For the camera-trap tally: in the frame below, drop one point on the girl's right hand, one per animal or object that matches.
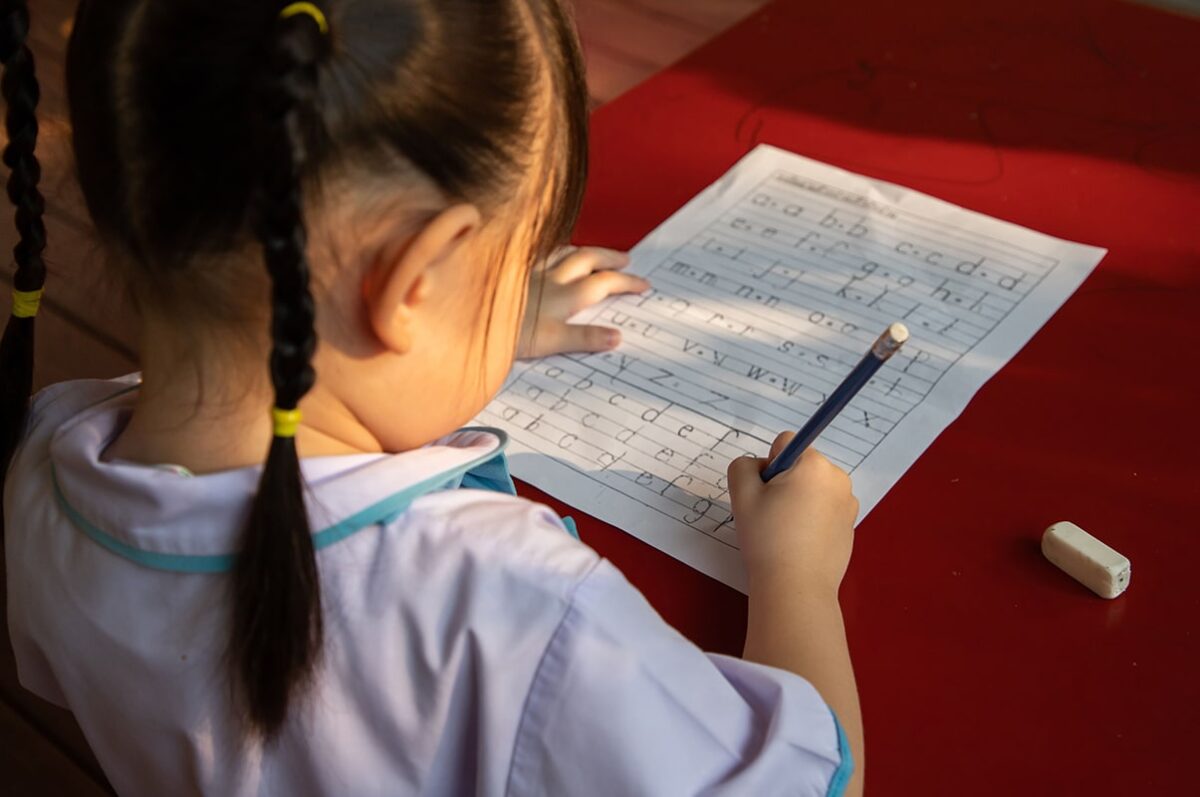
(800, 525)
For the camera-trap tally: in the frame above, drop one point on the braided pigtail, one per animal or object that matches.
(277, 625)
(21, 93)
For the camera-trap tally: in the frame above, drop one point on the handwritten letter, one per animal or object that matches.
(768, 288)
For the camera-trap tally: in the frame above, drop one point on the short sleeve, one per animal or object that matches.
(622, 704)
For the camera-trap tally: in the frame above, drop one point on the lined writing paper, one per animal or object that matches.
(769, 287)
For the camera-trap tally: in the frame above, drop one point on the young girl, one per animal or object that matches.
(371, 611)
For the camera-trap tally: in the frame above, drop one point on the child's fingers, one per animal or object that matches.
(560, 337)
(602, 284)
(745, 473)
(581, 262)
(757, 464)
(745, 478)
(781, 442)
(583, 338)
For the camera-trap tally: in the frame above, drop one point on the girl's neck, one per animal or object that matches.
(209, 415)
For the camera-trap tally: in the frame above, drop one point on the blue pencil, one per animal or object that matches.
(887, 345)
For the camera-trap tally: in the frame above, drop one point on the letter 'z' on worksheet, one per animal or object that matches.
(768, 288)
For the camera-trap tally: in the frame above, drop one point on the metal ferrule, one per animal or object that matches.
(887, 345)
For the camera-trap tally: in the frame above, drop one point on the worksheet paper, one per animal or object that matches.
(769, 287)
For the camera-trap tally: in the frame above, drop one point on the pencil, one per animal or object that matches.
(887, 345)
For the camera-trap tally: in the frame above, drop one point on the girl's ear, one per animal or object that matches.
(405, 272)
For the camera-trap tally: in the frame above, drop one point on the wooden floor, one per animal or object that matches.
(625, 41)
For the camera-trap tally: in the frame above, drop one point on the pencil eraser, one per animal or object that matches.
(1086, 559)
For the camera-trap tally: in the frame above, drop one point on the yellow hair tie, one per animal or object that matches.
(25, 304)
(286, 422)
(308, 9)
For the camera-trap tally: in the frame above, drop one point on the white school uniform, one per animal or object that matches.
(473, 645)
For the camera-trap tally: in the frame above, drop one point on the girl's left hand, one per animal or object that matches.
(573, 279)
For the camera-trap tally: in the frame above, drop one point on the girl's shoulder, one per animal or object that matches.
(451, 515)
(456, 498)
(56, 404)
(59, 405)
(450, 504)
(509, 535)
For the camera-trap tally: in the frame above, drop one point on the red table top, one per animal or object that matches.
(983, 669)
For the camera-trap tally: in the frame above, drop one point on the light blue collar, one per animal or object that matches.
(488, 472)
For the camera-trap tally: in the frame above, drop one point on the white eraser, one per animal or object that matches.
(1086, 559)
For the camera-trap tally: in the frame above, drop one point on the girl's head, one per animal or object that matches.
(432, 151)
(357, 185)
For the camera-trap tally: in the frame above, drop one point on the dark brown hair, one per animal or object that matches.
(21, 94)
(201, 126)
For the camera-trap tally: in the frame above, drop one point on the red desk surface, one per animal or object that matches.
(983, 670)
